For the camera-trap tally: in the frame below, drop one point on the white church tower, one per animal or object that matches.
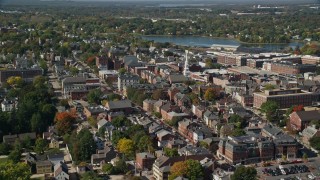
(186, 71)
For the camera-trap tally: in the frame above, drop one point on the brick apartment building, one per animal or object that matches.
(285, 97)
(289, 68)
(256, 148)
(256, 63)
(310, 59)
(245, 149)
(231, 59)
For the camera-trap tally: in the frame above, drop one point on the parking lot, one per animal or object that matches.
(308, 170)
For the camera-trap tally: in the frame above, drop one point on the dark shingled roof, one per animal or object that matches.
(308, 115)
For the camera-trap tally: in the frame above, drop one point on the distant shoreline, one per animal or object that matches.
(223, 38)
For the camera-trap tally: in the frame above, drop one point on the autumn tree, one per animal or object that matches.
(158, 94)
(178, 169)
(210, 94)
(126, 146)
(190, 169)
(15, 81)
(64, 122)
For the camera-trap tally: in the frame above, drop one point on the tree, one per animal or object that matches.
(238, 132)
(64, 122)
(305, 156)
(269, 87)
(15, 81)
(92, 121)
(15, 156)
(204, 144)
(171, 152)
(108, 168)
(315, 142)
(40, 146)
(190, 169)
(194, 169)
(126, 146)
(74, 71)
(194, 98)
(84, 145)
(19, 171)
(158, 94)
(37, 123)
(120, 121)
(210, 94)
(270, 108)
(244, 173)
(90, 175)
(94, 96)
(178, 169)
(122, 71)
(4, 149)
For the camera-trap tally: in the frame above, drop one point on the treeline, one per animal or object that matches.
(35, 110)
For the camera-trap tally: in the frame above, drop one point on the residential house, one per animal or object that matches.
(121, 105)
(102, 156)
(127, 79)
(8, 105)
(198, 110)
(308, 133)
(301, 119)
(189, 150)
(148, 105)
(56, 158)
(61, 171)
(144, 160)
(182, 100)
(43, 167)
(177, 78)
(211, 119)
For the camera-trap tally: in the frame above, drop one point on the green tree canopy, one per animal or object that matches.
(94, 96)
(19, 171)
(244, 173)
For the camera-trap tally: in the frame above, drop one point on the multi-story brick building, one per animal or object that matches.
(245, 149)
(231, 59)
(310, 59)
(289, 68)
(285, 97)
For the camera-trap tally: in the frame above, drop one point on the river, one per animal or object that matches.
(200, 41)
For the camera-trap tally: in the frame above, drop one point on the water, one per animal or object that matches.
(209, 41)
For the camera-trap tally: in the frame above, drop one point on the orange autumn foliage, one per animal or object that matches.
(64, 122)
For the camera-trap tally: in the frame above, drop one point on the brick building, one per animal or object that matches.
(301, 119)
(285, 97)
(245, 149)
(310, 59)
(26, 74)
(289, 68)
(144, 160)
